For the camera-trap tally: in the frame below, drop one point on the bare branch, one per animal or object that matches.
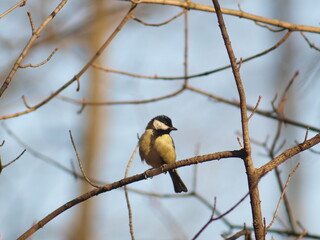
(270, 28)
(80, 163)
(281, 197)
(96, 103)
(312, 45)
(127, 194)
(28, 46)
(245, 232)
(31, 24)
(138, 177)
(76, 77)
(255, 108)
(288, 154)
(282, 40)
(19, 4)
(6, 165)
(195, 6)
(159, 24)
(42, 63)
(268, 114)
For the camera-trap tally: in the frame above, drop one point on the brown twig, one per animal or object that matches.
(26, 49)
(42, 63)
(127, 194)
(220, 216)
(19, 4)
(304, 233)
(288, 154)
(246, 232)
(255, 108)
(268, 114)
(200, 7)
(312, 45)
(250, 169)
(31, 23)
(281, 197)
(156, 171)
(138, 177)
(282, 40)
(76, 77)
(279, 110)
(186, 47)
(159, 24)
(96, 103)
(9, 163)
(80, 163)
(270, 28)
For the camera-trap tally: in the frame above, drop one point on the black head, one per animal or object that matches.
(161, 123)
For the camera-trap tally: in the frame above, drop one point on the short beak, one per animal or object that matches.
(173, 129)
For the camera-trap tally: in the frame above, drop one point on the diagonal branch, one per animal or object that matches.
(288, 154)
(26, 49)
(77, 76)
(138, 177)
(241, 14)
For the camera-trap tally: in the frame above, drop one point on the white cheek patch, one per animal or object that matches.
(159, 125)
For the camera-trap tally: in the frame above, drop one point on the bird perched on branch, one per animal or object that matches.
(156, 147)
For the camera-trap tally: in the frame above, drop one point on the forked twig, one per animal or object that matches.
(42, 63)
(220, 216)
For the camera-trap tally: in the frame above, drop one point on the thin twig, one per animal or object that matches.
(9, 163)
(40, 64)
(245, 232)
(26, 104)
(159, 24)
(268, 114)
(312, 45)
(80, 162)
(288, 154)
(156, 171)
(255, 108)
(220, 216)
(31, 23)
(186, 47)
(200, 7)
(83, 102)
(19, 4)
(76, 77)
(26, 49)
(282, 40)
(304, 233)
(270, 28)
(281, 197)
(127, 194)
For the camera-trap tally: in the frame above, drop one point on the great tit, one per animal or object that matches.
(156, 147)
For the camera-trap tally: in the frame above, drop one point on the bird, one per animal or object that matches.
(156, 147)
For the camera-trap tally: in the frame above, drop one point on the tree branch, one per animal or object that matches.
(147, 174)
(241, 14)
